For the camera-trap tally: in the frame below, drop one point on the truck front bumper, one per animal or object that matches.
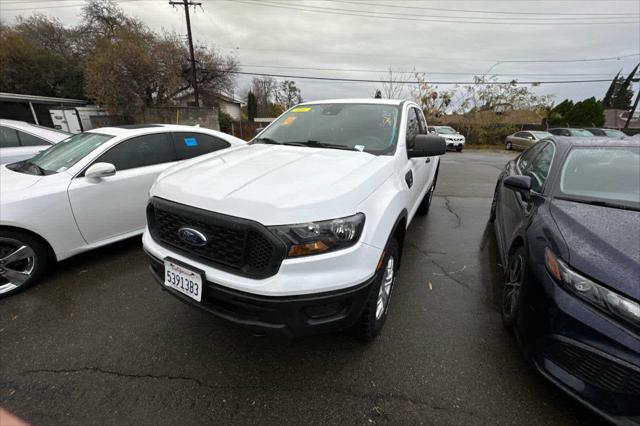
(287, 316)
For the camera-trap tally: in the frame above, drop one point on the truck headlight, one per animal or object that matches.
(607, 300)
(305, 239)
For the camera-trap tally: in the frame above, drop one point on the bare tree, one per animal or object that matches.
(393, 84)
(287, 94)
(434, 102)
(482, 96)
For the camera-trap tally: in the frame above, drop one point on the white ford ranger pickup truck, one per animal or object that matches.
(301, 230)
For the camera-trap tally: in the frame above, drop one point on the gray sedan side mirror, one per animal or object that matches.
(100, 170)
(521, 184)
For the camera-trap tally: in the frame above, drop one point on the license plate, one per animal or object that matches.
(183, 280)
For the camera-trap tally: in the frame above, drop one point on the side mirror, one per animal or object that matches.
(259, 129)
(427, 146)
(521, 184)
(100, 170)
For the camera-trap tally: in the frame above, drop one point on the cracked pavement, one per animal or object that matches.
(99, 343)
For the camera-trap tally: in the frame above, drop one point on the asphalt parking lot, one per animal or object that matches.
(99, 342)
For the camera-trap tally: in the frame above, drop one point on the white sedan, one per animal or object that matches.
(85, 192)
(20, 140)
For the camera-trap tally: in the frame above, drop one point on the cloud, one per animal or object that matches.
(273, 34)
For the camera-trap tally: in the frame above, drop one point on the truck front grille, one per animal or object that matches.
(237, 245)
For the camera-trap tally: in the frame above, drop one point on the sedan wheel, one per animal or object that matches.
(512, 295)
(509, 146)
(17, 263)
(23, 259)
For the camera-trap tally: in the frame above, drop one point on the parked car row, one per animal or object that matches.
(526, 138)
(259, 233)
(302, 229)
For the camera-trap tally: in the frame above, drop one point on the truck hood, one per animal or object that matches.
(14, 181)
(277, 185)
(603, 242)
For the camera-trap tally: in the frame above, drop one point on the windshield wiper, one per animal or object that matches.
(37, 168)
(268, 141)
(27, 167)
(317, 144)
(603, 204)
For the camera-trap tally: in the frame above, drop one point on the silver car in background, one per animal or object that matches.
(523, 140)
(20, 140)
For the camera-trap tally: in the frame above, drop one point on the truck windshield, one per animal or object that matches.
(65, 154)
(371, 128)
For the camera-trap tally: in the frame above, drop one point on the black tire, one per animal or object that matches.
(371, 321)
(508, 146)
(514, 280)
(459, 149)
(425, 204)
(36, 262)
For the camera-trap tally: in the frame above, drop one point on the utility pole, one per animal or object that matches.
(194, 82)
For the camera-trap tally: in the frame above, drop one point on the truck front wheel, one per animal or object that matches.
(375, 312)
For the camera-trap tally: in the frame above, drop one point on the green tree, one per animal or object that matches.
(558, 114)
(606, 101)
(589, 112)
(252, 106)
(624, 93)
(32, 68)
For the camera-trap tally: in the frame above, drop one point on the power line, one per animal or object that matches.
(379, 15)
(358, 80)
(481, 18)
(422, 72)
(395, 6)
(450, 59)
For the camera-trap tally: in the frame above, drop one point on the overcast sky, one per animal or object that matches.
(404, 35)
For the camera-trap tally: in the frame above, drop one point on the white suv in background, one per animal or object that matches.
(302, 230)
(454, 139)
(20, 140)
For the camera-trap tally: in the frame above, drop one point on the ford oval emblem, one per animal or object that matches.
(192, 236)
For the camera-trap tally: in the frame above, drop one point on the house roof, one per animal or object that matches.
(189, 91)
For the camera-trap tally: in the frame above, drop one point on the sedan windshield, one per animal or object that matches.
(372, 128)
(614, 133)
(446, 131)
(65, 154)
(581, 133)
(541, 135)
(606, 175)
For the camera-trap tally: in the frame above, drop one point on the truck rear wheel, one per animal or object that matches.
(375, 312)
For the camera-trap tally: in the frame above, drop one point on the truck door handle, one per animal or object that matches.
(428, 160)
(409, 178)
